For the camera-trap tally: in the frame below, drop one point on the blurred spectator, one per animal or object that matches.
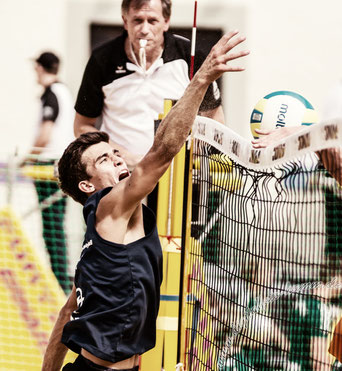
(53, 134)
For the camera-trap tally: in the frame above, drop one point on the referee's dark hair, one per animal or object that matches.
(71, 169)
(137, 4)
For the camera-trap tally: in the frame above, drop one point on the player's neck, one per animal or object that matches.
(150, 59)
(134, 56)
(48, 79)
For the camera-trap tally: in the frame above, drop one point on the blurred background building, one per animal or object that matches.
(295, 45)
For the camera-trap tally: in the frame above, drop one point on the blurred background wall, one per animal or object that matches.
(295, 45)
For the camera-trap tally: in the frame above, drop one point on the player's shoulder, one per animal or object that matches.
(49, 95)
(181, 40)
(176, 47)
(179, 47)
(59, 88)
(110, 49)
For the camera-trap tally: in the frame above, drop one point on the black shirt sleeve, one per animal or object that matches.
(50, 106)
(90, 96)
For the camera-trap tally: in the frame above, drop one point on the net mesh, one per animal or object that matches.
(36, 237)
(264, 262)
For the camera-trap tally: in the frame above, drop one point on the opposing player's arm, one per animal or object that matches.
(268, 137)
(84, 124)
(176, 126)
(331, 159)
(56, 351)
(335, 347)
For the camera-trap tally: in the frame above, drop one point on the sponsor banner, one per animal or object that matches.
(316, 137)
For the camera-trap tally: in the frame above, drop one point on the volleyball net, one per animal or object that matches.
(263, 272)
(38, 227)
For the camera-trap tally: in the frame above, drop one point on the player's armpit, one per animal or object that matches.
(143, 179)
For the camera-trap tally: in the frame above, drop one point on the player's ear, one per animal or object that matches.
(124, 19)
(86, 186)
(167, 24)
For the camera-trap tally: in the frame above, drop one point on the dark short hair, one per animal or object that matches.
(71, 169)
(137, 4)
(49, 61)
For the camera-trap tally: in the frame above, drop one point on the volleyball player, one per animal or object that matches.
(115, 299)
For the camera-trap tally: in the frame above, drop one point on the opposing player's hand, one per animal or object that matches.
(220, 57)
(268, 137)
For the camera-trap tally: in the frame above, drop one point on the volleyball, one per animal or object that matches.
(282, 109)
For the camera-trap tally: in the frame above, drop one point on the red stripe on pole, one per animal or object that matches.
(195, 14)
(192, 67)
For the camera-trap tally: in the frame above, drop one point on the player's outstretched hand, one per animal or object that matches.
(220, 56)
(268, 137)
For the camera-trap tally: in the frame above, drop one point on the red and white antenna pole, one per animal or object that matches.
(193, 42)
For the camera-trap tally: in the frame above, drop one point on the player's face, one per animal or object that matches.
(104, 165)
(146, 23)
(40, 72)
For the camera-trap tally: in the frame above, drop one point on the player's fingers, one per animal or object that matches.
(235, 42)
(263, 132)
(226, 37)
(225, 43)
(235, 69)
(262, 142)
(259, 144)
(232, 43)
(231, 56)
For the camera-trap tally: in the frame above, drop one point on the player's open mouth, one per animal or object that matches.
(124, 174)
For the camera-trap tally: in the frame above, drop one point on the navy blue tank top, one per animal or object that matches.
(118, 291)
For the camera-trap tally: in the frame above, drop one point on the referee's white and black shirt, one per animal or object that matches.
(57, 106)
(128, 99)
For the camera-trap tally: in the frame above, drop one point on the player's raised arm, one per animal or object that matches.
(175, 128)
(332, 160)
